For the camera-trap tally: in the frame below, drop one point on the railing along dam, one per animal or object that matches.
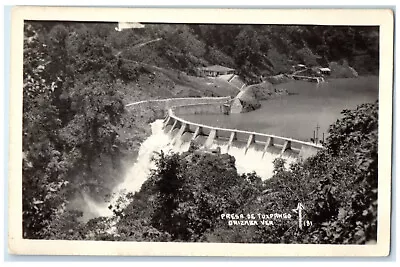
(209, 136)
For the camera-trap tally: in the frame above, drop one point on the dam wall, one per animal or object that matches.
(182, 131)
(209, 136)
(199, 108)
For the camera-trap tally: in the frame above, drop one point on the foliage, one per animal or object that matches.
(68, 121)
(44, 166)
(188, 192)
(272, 49)
(253, 50)
(307, 57)
(92, 131)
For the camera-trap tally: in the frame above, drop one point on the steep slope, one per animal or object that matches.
(253, 50)
(143, 81)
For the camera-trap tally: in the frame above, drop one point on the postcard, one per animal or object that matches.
(200, 132)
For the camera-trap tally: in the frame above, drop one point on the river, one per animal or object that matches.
(297, 115)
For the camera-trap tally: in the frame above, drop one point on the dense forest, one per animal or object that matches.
(77, 134)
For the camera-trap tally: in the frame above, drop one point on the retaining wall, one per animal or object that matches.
(171, 102)
(200, 108)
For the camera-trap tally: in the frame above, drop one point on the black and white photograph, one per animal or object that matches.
(180, 133)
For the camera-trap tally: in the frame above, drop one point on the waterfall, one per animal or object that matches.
(252, 160)
(138, 173)
(140, 170)
(246, 161)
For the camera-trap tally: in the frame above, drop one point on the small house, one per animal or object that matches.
(215, 71)
(325, 71)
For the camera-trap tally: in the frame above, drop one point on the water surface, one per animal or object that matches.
(298, 114)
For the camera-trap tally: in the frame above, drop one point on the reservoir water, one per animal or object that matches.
(297, 115)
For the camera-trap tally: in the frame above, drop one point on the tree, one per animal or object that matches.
(70, 118)
(44, 166)
(98, 110)
(306, 56)
(195, 189)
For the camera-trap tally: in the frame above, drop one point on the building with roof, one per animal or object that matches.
(215, 70)
(325, 71)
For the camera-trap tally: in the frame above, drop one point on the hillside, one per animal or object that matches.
(254, 50)
(143, 81)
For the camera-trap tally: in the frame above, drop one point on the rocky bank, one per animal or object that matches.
(249, 98)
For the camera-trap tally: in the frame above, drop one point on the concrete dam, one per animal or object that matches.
(183, 132)
(253, 151)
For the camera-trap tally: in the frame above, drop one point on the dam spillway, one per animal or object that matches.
(183, 132)
(253, 151)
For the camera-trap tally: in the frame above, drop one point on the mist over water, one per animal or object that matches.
(159, 140)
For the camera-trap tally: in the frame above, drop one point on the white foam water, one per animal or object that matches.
(253, 160)
(139, 172)
(159, 140)
(141, 169)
